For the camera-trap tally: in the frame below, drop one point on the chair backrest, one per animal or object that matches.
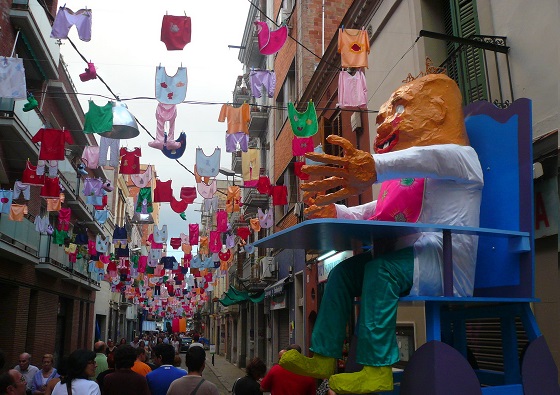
(503, 142)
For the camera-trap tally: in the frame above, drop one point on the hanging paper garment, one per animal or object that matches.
(279, 195)
(154, 245)
(297, 171)
(237, 142)
(178, 206)
(193, 234)
(250, 165)
(178, 152)
(233, 198)
(238, 118)
(64, 218)
(66, 18)
(318, 150)
(30, 176)
(215, 244)
(255, 224)
(89, 73)
(263, 185)
(163, 191)
(304, 124)
(165, 113)
(208, 166)
(230, 241)
(211, 204)
(144, 203)
(207, 191)
(99, 119)
(271, 42)
(302, 145)
(12, 78)
(175, 31)
(188, 194)
(182, 325)
(262, 78)
(171, 89)
(175, 242)
(224, 255)
(203, 245)
(90, 157)
(142, 180)
(160, 235)
(51, 188)
(266, 218)
(221, 221)
(353, 47)
(130, 160)
(52, 143)
(17, 212)
(352, 89)
(243, 232)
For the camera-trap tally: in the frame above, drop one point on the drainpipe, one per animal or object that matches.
(323, 30)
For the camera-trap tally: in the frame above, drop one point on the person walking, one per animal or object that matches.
(193, 383)
(249, 385)
(124, 381)
(80, 366)
(43, 376)
(161, 378)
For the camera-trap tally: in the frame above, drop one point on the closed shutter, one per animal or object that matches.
(283, 328)
(484, 339)
(460, 19)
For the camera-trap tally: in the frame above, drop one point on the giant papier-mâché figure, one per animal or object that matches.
(429, 174)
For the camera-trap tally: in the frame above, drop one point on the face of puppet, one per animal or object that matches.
(426, 111)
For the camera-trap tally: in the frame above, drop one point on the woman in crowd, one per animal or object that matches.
(249, 385)
(81, 365)
(43, 376)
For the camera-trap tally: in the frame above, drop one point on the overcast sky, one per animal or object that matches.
(126, 48)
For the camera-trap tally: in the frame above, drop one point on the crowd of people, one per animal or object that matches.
(149, 365)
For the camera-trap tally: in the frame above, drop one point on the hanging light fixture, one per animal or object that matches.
(124, 123)
(139, 218)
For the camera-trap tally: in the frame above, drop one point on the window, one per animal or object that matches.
(467, 65)
(286, 94)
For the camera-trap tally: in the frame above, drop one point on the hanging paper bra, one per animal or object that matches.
(207, 191)
(304, 124)
(208, 166)
(271, 42)
(175, 153)
(265, 218)
(171, 90)
(142, 180)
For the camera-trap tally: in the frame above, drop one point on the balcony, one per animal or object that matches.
(54, 262)
(30, 18)
(259, 120)
(252, 200)
(236, 162)
(249, 53)
(18, 240)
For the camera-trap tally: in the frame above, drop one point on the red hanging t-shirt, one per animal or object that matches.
(52, 143)
(130, 160)
(163, 191)
(279, 195)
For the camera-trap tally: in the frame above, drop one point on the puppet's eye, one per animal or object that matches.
(400, 109)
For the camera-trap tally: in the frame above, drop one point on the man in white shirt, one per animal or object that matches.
(26, 369)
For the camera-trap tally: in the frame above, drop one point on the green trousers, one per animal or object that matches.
(379, 282)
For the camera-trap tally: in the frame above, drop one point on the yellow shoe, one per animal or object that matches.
(318, 366)
(369, 379)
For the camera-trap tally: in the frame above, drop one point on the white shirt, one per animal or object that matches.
(452, 196)
(79, 386)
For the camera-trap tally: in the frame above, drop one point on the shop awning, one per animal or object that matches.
(234, 296)
(275, 289)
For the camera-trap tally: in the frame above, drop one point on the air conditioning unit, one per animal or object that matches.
(268, 268)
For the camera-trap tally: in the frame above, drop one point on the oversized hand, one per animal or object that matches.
(314, 211)
(355, 173)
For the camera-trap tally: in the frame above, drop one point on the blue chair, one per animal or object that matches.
(504, 283)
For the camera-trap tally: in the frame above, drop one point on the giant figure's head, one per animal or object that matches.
(426, 111)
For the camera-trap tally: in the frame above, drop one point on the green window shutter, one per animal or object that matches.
(460, 19)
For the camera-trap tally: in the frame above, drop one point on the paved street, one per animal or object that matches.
(222, 373)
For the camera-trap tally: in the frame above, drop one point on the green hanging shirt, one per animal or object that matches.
(303, 124)
(99, 119)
